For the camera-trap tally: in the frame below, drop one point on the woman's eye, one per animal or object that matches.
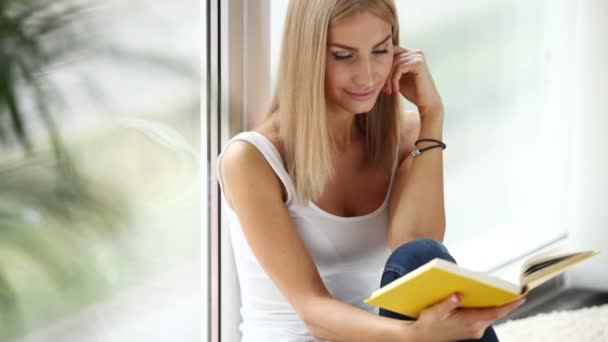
(348, 57)
(342, 57)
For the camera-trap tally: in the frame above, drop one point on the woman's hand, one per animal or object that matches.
(445, 322)
(410, 75)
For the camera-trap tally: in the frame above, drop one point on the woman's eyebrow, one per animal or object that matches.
(355, 49)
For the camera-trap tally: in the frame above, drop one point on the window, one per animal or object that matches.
(98, 256)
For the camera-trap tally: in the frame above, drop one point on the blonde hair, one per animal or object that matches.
(300, 99)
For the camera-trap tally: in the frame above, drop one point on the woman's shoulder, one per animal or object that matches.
(244, 167)
(243, 163)
(242, 153)
(241, 149)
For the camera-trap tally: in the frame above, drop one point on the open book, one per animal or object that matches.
(437, 279)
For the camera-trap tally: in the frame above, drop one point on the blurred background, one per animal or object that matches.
(100, 236)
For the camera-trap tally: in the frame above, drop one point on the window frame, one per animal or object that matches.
(238, 94)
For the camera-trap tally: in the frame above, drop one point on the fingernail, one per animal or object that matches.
(456, 298)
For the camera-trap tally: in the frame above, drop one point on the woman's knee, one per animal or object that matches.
(412, 255)
(423, 250)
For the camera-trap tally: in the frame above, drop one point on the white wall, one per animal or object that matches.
(591, 158)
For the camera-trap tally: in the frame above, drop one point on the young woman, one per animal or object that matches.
(324, 201)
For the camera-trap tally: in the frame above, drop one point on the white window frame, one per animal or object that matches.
(239, 94)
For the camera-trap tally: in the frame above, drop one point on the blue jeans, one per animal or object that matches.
(410, 256)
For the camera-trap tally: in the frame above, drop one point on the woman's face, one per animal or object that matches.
(359, 60)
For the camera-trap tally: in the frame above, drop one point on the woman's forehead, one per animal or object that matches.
(362, 30)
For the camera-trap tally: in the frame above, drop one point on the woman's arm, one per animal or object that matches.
(416, 207)
(254, 192)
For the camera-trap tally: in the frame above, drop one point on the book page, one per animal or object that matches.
(542, 268)
(547, 254)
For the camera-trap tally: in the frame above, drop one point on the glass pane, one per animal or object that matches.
(101, 231)
(495, 64)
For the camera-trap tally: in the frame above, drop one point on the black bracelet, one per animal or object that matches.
(431, 140)
(418, 152)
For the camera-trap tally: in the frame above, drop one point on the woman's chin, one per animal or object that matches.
(361, 107)
(357, 107)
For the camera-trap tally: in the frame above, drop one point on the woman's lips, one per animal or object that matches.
(361, 95)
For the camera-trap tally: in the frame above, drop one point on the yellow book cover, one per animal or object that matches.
(438, 279)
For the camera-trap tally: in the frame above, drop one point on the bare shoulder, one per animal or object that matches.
(245, 169)
(241, 154)
(409, 133)
(242, 158)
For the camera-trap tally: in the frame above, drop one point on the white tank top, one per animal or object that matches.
(349, 252)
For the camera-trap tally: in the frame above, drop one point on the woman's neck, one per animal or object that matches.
(343, 129)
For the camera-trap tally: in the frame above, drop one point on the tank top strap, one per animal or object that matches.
(270, 153)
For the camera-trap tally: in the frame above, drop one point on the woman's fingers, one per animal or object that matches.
(476, 321)
(405, 56)
(503, 310)
(397, 51)
(404, 60)
(408, 64)
(492, 314)
(444, 320)
(444, 309)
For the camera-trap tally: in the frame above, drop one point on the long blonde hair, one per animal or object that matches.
(300, 99)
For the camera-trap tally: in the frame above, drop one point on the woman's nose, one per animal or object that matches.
(364, 77)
